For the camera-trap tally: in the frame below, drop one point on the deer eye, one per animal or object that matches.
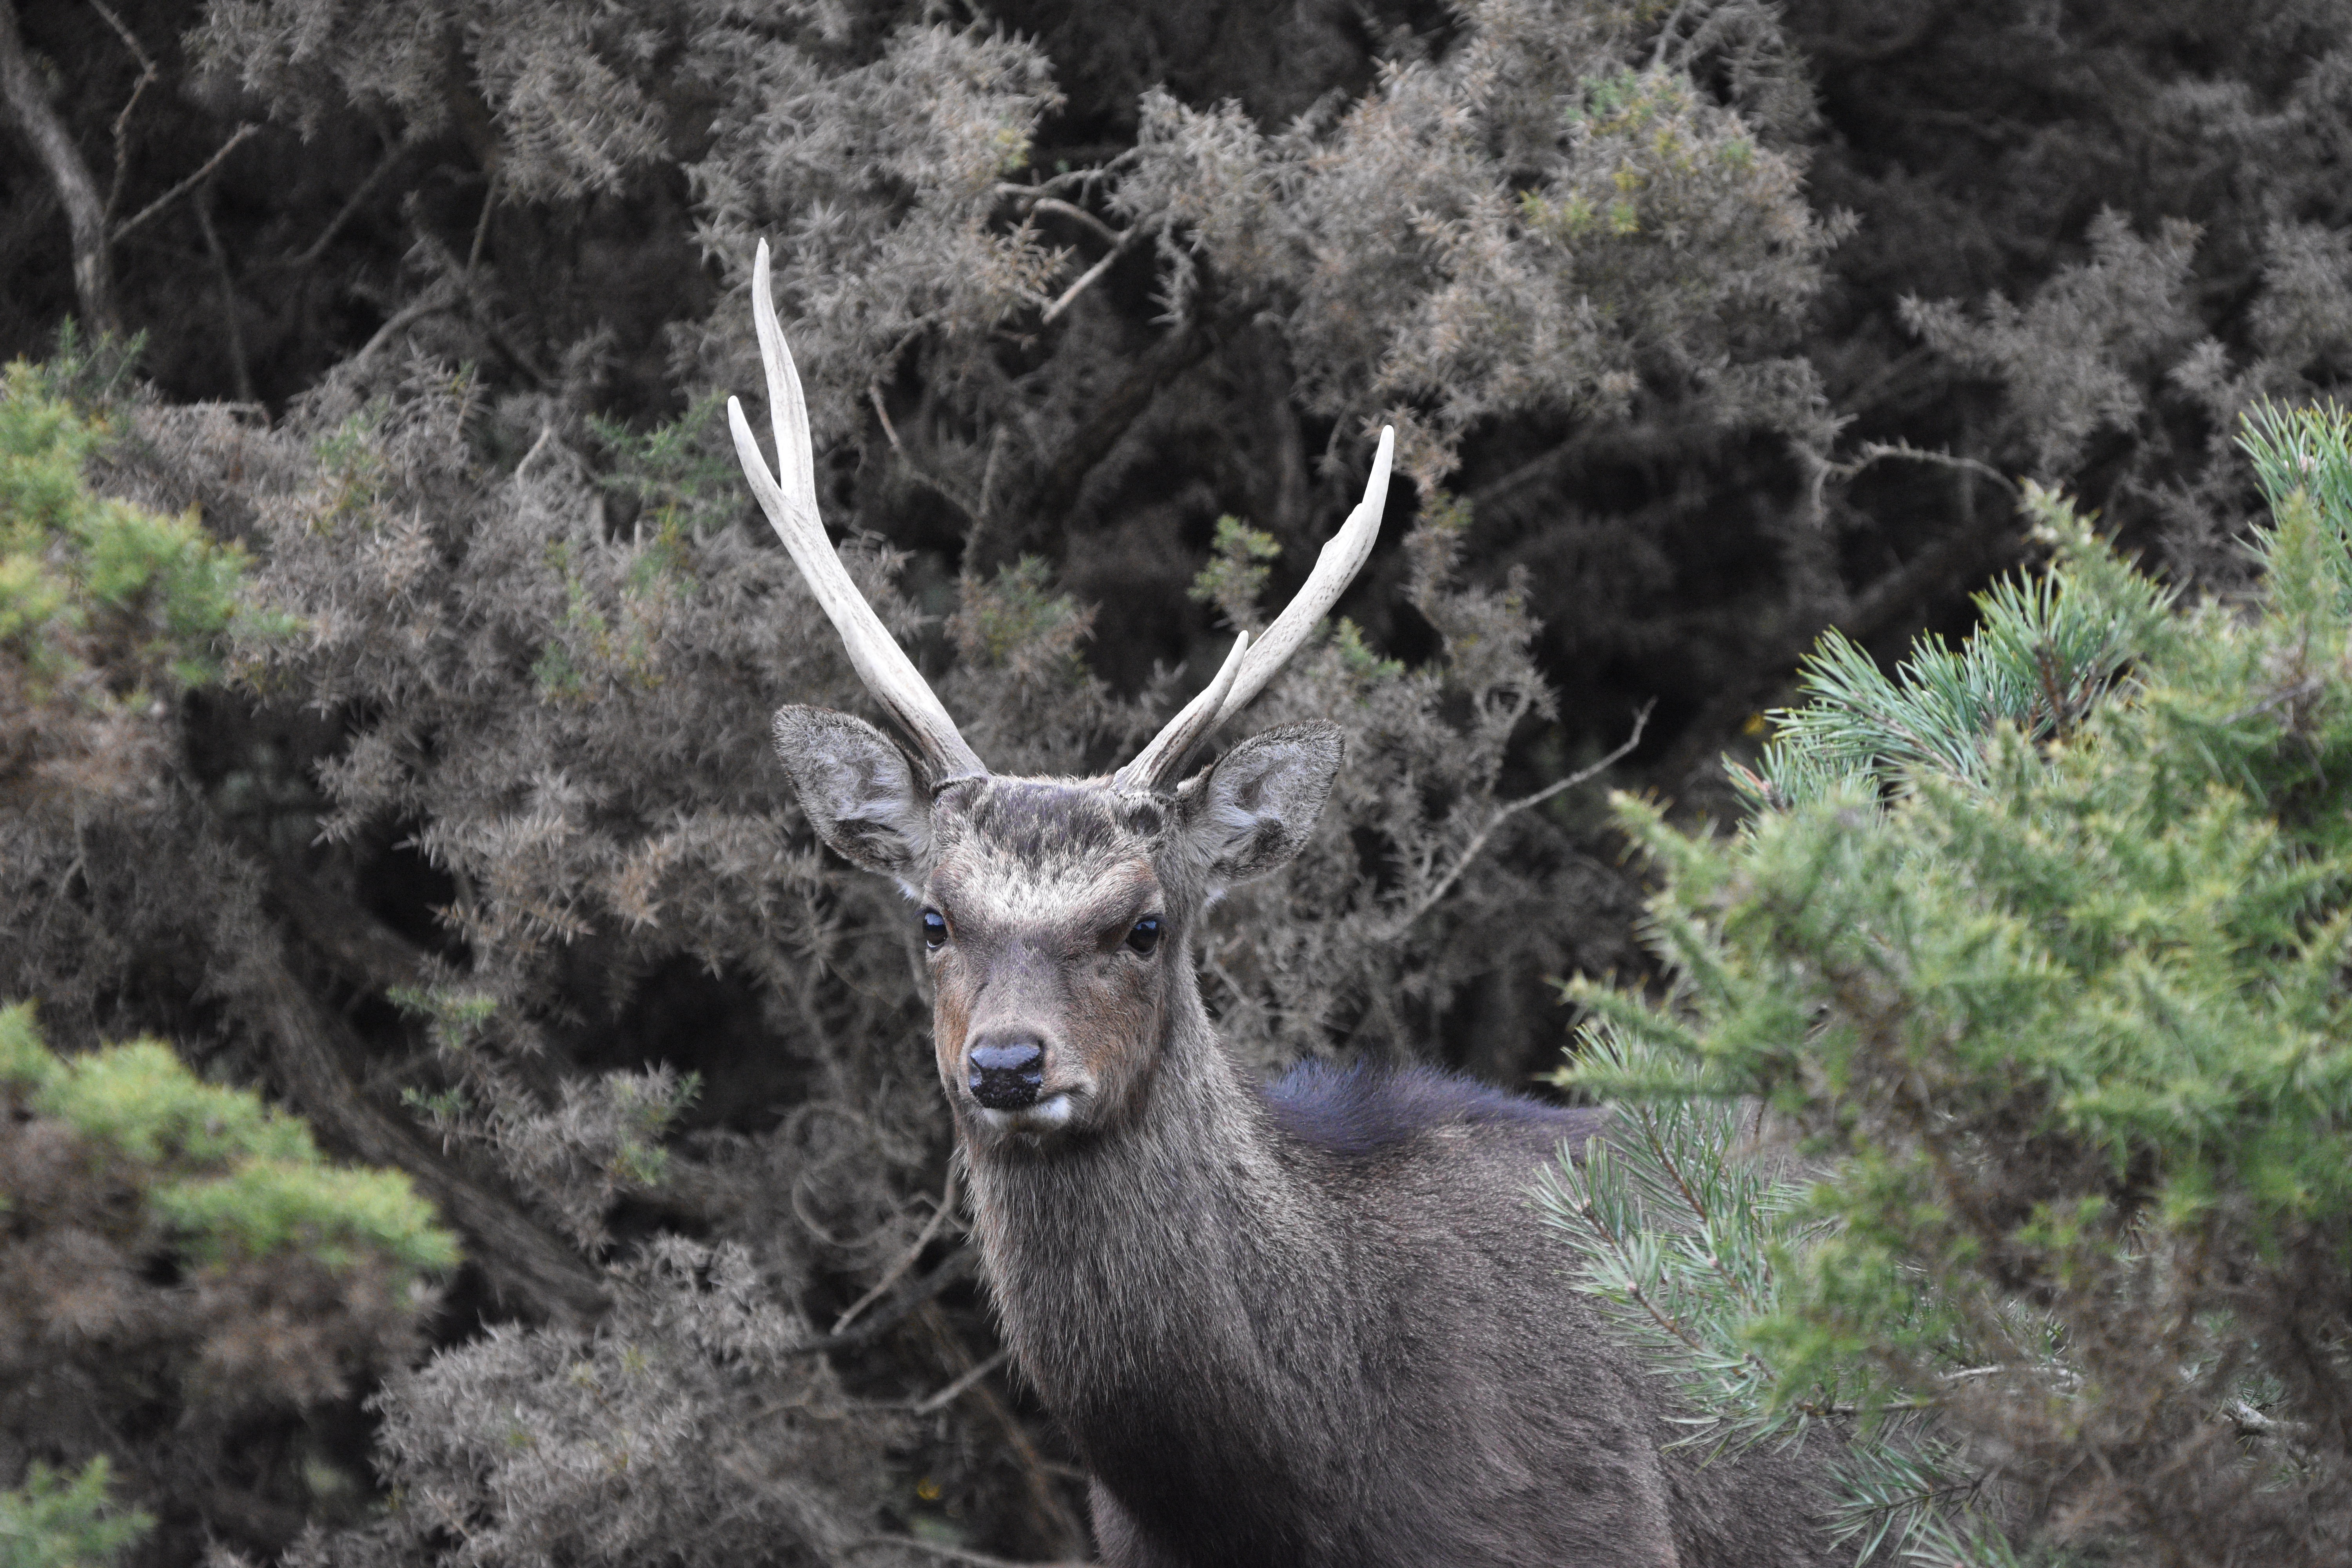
(934, 930)
(1145, 936)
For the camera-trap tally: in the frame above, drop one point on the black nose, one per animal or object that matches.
(1007, 1074)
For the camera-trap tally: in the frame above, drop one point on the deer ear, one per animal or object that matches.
(858, 789)
(1253, 812)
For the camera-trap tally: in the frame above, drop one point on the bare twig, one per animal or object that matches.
(2062, 1377)
(318, 247)
(1879, 451)
(1086, 279)
(1068, 179)
(961, 1264)
(482, 226)
(228, 299)
(237, 139)
(1007, 189)
(432, 303)
(1120, 244)
(907, 1258)
(948, 1396)
(1667, 33)
(147, 75)
(546, 439)
(874, 396)
(1080, 216)
(996, 445)
(946, 488)
(25, 98)
(1428, 901)
(2249, 1421)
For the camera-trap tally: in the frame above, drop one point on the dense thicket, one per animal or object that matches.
(465, 844)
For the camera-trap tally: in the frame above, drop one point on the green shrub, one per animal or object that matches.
(105, 608)
(175, 1257)
(56, 1521)
(222, 1175)
(2040, 947)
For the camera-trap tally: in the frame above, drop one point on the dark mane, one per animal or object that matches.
(1363, 1110)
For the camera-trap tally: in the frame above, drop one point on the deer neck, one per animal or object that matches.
(1184, 1238)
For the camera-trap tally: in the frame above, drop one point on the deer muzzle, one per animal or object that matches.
(1006, 1074)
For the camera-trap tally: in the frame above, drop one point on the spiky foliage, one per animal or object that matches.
(686, 1428)
(2040, 948)
(1493, 231)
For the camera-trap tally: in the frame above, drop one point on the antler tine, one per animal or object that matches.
(1166, 752)
(1341, 558)
(1245, 674)
(791, 506)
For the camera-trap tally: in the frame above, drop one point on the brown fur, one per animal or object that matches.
(1308, 1325)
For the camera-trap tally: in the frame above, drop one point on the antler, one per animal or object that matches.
(791, 507)
(892, 677)
(1191, 726)
(1245, 673)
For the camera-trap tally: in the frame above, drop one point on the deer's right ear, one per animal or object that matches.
(857, 790)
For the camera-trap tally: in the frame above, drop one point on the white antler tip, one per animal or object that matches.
(747, 445)
(788, 496)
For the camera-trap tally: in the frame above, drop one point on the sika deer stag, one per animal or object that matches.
(1298, 1325)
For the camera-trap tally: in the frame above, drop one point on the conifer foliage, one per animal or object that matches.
(176, 1260)
(2039, 948)
(106, 610)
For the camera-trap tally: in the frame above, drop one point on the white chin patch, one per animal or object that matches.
(1041, 1117)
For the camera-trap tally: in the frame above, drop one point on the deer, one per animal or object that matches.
(1308, 1323)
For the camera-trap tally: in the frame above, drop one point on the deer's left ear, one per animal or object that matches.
(1255, 808)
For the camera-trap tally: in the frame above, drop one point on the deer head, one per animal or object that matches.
(1057, 914)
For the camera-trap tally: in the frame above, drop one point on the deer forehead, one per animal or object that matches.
(1028, 852)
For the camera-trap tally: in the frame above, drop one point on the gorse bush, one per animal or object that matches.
(1526, 224)
(2038, 946)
